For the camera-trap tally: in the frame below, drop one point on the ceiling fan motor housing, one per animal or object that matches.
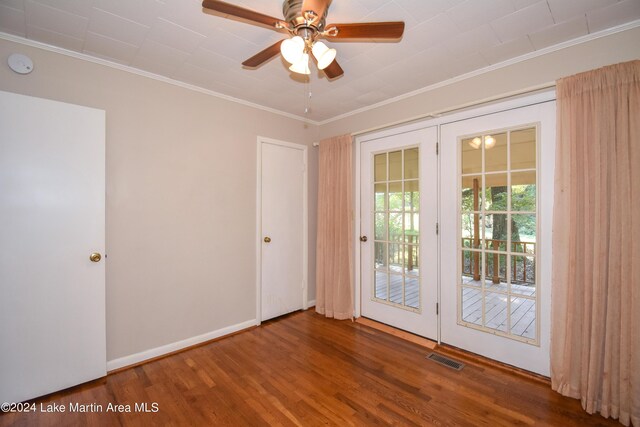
(292, 11)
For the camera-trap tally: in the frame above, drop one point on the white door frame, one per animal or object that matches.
(481, 110)
(305, 227)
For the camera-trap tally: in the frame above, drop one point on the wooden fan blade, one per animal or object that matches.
(365, 30)
(333, 70)
(240, 12)
(263, 56)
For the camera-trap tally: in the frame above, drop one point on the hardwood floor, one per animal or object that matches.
(306, 370)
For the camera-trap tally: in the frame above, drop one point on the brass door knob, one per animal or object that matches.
(95, 257)
(267, 239)
(363, 238)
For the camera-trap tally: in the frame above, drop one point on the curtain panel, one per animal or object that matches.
(334, 256)
(595, 339)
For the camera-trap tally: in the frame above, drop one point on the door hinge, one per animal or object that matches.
(437, 228)
(437, 309)
(437, 148)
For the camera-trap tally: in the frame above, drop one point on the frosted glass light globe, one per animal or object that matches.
(323, 55)
(292, 49)
(302, 66)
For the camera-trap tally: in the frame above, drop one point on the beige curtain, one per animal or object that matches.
(334, 259)
(595, 340)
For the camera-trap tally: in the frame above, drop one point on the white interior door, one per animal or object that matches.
(52, 296)
(283, 228)
(398, 201)
(496, 213)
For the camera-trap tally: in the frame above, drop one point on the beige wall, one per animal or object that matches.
(181, 197)
(619, 47)
(181, 180)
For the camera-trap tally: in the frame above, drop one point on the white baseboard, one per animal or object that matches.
(311, 303)
(133, 359)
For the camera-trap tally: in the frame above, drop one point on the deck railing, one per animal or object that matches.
(396, 257)
(523, 269)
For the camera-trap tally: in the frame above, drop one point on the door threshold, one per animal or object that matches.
(407, 336)
(477, 359)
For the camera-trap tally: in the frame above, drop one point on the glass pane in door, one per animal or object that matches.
(397, 228)
(498, 229)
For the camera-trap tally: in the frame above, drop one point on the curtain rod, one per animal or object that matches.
(457, 108)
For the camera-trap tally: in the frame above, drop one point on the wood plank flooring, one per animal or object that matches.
(394, 289)
(408, 336)
(523, 306)
(306, 370)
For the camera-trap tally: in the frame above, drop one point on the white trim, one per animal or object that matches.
(438, 239)
(584, 39)
(311, 303)
(463, 114)
(139, 72)
(305, 221)
(259, 232)
(468, 105)
(136, 358)
(305, 228)
(356, 238)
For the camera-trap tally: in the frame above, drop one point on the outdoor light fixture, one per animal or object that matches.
(489, 142)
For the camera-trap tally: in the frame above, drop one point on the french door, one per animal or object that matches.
(496, 213)
(398, 231)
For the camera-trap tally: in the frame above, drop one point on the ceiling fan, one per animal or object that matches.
(304, 21)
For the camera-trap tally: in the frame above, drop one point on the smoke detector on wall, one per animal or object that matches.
(20, 63)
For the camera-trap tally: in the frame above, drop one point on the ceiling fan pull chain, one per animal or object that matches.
(308, 94)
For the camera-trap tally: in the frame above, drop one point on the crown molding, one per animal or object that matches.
(133, 70)
(497, 66)
(453, 80)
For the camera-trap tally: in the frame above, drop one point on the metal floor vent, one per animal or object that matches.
(443, 360)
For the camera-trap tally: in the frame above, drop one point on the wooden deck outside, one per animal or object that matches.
(412, 288)
(523, 310)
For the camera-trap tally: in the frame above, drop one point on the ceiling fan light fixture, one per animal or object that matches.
(323, 54)
(292, 49)
(305, 21)
(302, 65)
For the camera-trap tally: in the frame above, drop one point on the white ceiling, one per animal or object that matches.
(443, 39)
